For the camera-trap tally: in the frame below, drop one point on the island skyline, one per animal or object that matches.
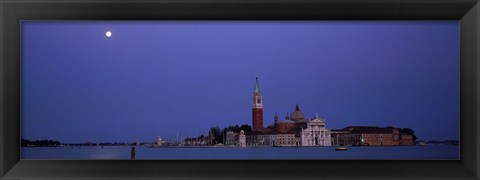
(154, 79)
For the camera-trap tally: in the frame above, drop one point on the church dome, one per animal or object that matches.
(297, 115)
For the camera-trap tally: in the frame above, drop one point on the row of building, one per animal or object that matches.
(371, 136)
(296, 130)
(317, 135)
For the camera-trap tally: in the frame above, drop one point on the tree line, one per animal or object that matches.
(40, 143)
(409, 132)
(217, 135)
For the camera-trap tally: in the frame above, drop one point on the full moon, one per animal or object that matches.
(108, 34)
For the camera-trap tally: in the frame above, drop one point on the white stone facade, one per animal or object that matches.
(316, 134)
(242, 140)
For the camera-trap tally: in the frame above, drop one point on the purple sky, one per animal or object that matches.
(154, 78)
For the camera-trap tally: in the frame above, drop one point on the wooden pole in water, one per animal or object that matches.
(132, 153)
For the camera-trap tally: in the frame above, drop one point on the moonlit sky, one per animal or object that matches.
(165, 78)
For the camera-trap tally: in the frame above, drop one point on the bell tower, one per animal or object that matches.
(257, 108)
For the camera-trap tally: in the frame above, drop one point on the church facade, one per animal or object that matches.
(316, 134)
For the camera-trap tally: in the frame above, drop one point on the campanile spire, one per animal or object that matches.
(257, 88)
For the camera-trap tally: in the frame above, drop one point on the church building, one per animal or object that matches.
(294, 130)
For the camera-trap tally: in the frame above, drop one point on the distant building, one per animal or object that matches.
(260, 137)
(270, 138)
(159, 141)
(371, 136)
(337, 137)
(231, 138)
(285, 140)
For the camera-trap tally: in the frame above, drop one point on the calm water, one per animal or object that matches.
(404, 152)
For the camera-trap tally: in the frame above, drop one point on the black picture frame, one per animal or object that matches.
(12, 12)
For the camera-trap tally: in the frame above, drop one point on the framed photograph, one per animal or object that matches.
(239, 89)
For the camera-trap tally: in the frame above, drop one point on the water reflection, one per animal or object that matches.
(440, 152)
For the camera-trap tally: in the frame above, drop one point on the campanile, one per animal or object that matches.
(257, 108)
